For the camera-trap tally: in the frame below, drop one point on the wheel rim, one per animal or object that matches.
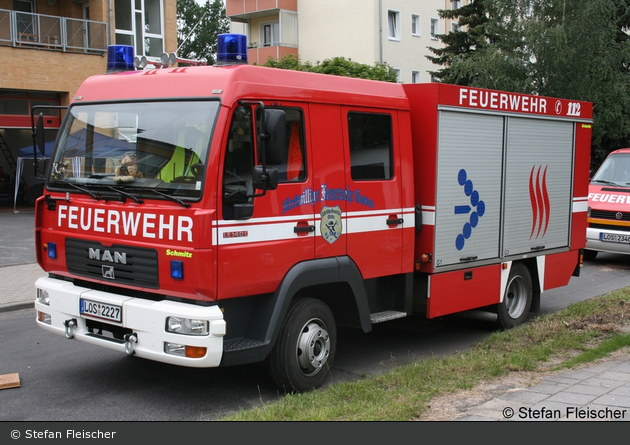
(516, 297)
(313, 347)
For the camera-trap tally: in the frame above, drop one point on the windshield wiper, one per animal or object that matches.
(84, 190)
(129, 195)
(172, 198)
(602, 181)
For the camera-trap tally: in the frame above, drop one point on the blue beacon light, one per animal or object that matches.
(232, 49)
(120, 58)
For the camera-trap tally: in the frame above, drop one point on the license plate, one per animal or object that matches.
(614, 238)
(101, 310)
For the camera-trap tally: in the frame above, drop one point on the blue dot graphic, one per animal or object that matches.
(468, 188)
(461, 177)
(481, 208)
(477, 209)
(459, 242)
(474, 219)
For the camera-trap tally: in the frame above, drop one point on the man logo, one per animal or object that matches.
(331, 223)
(108, 272)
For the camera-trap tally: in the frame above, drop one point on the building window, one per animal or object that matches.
(415, 25)
(435, 28)
(456, 4)
(141, 25)
(454, 27)
(270, 33)
(415, 77)
(393, 25)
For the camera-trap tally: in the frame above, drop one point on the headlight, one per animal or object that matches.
(187, 326)
(43, 297)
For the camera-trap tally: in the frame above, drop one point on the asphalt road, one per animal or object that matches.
(65, 380)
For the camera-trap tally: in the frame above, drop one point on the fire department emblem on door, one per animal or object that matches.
(331, 223)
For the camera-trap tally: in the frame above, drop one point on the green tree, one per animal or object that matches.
(198, 27)
(338, 66)
(460, 44)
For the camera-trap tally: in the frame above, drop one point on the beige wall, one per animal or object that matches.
(357, 29)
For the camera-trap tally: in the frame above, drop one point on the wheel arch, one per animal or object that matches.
(305, 279)
(533, 266)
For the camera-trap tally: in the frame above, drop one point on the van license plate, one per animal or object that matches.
(100, 310)
(614, 238)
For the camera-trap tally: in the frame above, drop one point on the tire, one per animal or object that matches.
(517, 300)
(589, 255)
(305, 350)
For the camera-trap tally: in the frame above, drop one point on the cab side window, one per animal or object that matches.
(371, 146)
(291, 160)
(239, 160)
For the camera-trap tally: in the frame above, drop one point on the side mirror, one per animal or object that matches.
(274, 135)
(264, 181)
(243, 211)
(41, 140)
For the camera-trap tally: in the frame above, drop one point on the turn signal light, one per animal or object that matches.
(195, 351)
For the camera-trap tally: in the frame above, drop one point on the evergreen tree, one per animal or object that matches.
(471, 37)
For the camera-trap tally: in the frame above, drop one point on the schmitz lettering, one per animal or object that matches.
(121, 222)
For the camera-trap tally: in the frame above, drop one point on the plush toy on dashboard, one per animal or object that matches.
(127, 169)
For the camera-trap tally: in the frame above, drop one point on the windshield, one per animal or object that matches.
(145, 148)
(615, 170)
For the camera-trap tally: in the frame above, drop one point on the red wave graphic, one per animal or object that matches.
(532, 197)
(539, 197)
(546, 201)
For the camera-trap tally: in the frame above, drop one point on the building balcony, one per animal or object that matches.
(28, 30)
(259, 54)
(245, 10)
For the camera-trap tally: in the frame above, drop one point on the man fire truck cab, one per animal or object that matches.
(210, 216)
(609, 206)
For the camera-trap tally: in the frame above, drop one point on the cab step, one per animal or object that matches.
(379, 317)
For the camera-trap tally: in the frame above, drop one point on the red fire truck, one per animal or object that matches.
(609, 206)
(219, 215)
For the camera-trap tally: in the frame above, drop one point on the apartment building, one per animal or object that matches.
(397, 32)
(50, 47)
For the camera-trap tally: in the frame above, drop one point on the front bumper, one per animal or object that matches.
(593, 241)
(145, 320)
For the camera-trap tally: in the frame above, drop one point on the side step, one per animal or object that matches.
(379, 317)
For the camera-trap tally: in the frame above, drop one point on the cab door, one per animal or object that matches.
(254, 254)
(373, 181)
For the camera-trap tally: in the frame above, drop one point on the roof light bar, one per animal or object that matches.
(232, 49)
(120, 58)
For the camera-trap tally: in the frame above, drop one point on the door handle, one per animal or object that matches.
(302, 229)
(394, 221)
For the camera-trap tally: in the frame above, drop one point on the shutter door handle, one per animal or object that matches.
(302, 229)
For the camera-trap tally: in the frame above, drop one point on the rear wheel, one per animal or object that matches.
(305, 349)
(517, 301)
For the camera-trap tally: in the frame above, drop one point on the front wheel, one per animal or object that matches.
(305, 349)
(517, 301)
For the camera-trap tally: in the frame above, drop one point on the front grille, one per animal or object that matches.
(609, 227)
(118, 264)
(608, 214)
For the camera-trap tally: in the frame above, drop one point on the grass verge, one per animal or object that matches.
(578, 334)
